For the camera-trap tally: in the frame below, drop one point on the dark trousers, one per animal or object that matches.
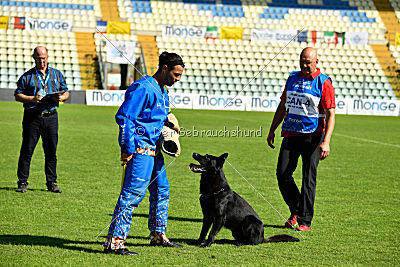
(306, 146)
(35, 125)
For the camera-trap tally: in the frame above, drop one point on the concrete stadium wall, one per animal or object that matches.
(76, 97)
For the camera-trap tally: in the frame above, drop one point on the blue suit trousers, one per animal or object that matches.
(142, 172)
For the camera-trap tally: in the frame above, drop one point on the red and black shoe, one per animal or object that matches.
(303, 228)
(292, 221)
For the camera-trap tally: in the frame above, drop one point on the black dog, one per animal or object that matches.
(223, 207)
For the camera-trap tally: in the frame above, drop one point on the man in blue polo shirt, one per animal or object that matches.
(40, 89)
(141, 118)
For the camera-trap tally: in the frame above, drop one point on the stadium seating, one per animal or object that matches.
(17, 46)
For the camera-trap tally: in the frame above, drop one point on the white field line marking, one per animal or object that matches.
(367, 140)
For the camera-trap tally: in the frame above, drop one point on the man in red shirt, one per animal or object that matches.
(307, 108)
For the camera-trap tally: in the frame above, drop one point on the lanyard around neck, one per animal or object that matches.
(40, 79)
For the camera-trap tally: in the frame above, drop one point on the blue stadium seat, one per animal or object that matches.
(13, 3)
(89, 7)
(208, 7)
(61, 5)
(69, 6)
(54, 5)
(47, 5)
(34, 4)
(83, 7)
(27, 4)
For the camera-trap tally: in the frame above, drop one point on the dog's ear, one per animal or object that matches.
(222, 158)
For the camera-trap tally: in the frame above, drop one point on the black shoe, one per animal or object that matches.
(22, 187)
(162, 240)
(52, 187)
(121, 251)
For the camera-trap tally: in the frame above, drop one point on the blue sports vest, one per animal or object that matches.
(302, 99)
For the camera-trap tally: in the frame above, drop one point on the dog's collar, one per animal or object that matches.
(205, 196)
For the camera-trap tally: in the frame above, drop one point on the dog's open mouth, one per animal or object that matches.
(196, 168)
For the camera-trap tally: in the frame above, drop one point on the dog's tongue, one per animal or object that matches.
(195, 168)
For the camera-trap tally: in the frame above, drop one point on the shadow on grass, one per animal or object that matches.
(15, 188)
(31, 240)
(144, 215)
(183, 241)
(275, 226)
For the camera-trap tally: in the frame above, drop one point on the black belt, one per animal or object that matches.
(43, 113)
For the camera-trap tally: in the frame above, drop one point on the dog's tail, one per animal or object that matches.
(281, 238)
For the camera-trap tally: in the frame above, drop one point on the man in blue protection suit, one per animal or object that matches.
(141, 118)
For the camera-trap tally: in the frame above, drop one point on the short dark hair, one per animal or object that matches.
(170, 59)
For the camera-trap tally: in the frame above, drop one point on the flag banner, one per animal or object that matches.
(101, 26)
(302, 36)
(3, 22)
(211, 33)
(235, 33)
(121, 52)
(19, 22)
(329, 37)
(356, 38)
(339, 38)
(117, 27)
(273, 35)
(34, 24)
(397, 41)
(317, 36)
(184, 31)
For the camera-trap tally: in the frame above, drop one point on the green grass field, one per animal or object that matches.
(355, 223)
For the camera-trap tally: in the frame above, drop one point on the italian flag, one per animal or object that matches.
(211, 33)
